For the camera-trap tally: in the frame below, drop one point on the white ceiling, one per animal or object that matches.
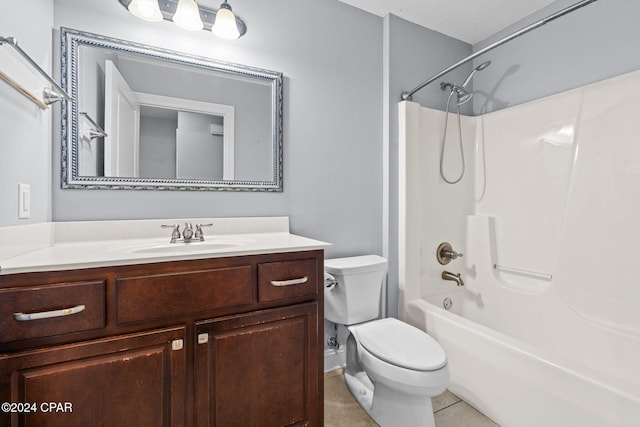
(467, 20)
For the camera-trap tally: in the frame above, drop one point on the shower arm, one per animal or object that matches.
(406, 96)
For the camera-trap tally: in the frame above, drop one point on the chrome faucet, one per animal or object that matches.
(453, 277)
(188, 235)
(188, 232)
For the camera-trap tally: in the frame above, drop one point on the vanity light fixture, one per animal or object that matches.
(147, 10)
(189, 15)
(225, 25)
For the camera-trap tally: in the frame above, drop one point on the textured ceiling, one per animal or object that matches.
(467, 20)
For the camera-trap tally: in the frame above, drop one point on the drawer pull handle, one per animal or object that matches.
(291, 282)
(24, 317)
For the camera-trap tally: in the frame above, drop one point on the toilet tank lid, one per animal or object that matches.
(400, 344)
(355, 264)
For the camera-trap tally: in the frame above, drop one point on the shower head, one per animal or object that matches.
(461, 94)
(463, 97)
(478, 68)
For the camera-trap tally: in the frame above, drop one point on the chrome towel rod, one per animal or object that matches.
(406, 96)
(521, 272)
(96, 131)
(49, 95)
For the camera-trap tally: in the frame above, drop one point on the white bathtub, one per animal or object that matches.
(516, 384)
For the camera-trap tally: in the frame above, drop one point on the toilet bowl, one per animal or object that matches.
(393, 369)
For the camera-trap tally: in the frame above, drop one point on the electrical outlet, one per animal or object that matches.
(24, 201)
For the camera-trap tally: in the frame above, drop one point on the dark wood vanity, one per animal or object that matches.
(230, 341)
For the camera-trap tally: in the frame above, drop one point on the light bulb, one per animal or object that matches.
(147, 10)
(225, 25)
(187, 15)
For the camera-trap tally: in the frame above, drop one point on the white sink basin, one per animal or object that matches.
(178, 248)
(192, 247)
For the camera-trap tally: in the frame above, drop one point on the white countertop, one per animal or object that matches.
(73, 245)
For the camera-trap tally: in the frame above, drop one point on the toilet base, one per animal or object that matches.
(386, 406)
(361, 388)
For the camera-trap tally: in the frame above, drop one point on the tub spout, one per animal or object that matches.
(453, 277)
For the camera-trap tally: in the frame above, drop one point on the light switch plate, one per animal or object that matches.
(24, 201)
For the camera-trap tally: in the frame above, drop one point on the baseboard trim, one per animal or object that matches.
(334, 359)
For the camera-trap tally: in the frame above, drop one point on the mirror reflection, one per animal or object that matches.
(147, 118)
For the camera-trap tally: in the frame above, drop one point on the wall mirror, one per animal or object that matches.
(147, 118)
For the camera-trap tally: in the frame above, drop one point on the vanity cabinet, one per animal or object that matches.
(232, 341)
(258, 367)
(133, 380)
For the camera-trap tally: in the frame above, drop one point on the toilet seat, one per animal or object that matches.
(401, 345)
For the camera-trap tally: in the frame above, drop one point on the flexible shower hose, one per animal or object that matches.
(444, 139)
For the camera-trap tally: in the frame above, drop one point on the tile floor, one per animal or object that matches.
(341, 410)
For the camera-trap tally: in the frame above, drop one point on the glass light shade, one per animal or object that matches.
(147, 10)
(187, 15)
(225, 25)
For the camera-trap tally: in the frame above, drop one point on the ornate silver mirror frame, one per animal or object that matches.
(74, 121)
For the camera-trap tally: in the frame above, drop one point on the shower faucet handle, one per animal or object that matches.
(452, 254)
(445, 253)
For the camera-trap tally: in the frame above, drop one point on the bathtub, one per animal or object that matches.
(516, 384)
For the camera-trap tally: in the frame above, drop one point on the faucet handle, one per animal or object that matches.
(452, 254)
(199, 233)
(175, 234)
(445, 253)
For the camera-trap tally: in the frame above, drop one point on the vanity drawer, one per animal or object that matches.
(47, 310)
(169, 295)
(287, 279)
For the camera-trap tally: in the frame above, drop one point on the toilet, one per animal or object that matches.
(393, 369)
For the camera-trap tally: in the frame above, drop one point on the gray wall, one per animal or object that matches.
(91, 74)
(593, 43)
(251, 100)
(158, 147)
(332, 111)
(200, 154)
(25, 129)
(412, 55)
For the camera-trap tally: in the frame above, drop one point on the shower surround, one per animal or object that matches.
(546, 330)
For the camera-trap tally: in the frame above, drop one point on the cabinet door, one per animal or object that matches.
(259, 369)
(133, 380)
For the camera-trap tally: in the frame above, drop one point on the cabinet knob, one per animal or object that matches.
(203, 338)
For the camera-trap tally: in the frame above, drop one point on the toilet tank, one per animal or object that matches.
(356, 297)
